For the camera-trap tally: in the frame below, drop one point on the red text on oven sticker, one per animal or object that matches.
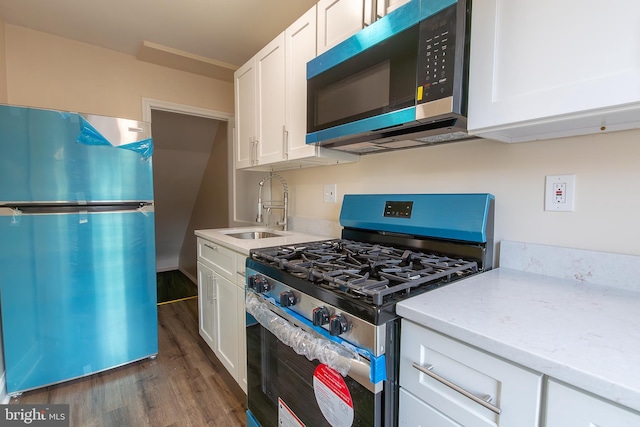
(333, 396)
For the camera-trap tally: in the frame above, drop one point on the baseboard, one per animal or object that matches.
(4, 397)
(163, 269)
(192, 278)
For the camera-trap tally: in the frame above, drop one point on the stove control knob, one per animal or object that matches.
(287, 299)
(320, 316)
(338, 325)
(259, 284)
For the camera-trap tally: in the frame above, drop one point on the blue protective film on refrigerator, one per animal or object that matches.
(78, 295)
(89, 135)
(41, 160)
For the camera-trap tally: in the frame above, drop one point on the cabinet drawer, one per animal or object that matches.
(241, 260)
(414, 412)
(513, 391)
(221, 259)
(569, 407)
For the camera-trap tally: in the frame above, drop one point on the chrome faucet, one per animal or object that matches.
(269, 204)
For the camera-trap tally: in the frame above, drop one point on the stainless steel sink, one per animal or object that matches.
(254, 235)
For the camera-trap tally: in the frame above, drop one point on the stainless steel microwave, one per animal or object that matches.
(399, 83)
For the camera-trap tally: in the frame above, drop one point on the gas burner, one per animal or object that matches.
(363, 270)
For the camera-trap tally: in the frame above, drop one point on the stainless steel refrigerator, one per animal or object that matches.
(77, 248)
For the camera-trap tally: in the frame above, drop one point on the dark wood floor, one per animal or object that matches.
(174, 285)
(185, 385)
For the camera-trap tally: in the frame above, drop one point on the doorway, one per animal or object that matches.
(191, 179)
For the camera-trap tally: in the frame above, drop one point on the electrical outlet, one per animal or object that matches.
(559, 193)
(330, 191)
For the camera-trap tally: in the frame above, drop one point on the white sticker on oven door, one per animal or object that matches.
(333, 396)
(286, 417)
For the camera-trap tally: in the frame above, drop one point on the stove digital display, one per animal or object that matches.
(398, 209)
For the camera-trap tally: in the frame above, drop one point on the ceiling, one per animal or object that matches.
(209, 37)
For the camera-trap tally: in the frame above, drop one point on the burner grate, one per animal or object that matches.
(363, 270)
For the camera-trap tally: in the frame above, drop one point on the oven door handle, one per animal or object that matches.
(305, 341)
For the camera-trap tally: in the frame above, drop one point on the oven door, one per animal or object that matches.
(287, 388)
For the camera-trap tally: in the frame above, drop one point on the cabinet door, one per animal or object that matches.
(242, 323)
(386, 6)
(270, 72)
(226, 320)
(242, 340)
(569, 407)
(537, 71)
(414, 412)
(300, 42)
(338, 20)
(245, 103)
(433, 365)
(206, 305)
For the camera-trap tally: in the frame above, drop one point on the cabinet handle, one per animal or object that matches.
(209, 286)
(285, 142)
(484, 401)
(213, 288)
(255, 151)
(252, 150)
(213, 248)
(252, 156)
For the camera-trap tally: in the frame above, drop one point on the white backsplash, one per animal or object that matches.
(319, 227)
(598, 268)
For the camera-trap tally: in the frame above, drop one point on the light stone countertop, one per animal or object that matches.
(584, 334)
(221, 236)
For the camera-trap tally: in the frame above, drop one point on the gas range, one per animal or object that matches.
(364, 274)
(334, 300)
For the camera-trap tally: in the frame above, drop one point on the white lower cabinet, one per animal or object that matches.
(570, 407)
(226, 315)
(242, 322)
(221, 312)
(447, 383)
(206, 304)
(415, 412)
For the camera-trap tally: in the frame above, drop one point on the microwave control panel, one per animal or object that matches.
(437, 56)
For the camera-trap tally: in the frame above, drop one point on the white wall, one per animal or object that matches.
(607, 186)
(3, 64)
(53, 72)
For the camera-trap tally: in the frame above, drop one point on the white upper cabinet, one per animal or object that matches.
(271, 104)
(340, 19)
(385, 6)
(543, 69)
(270, 68)
(259, 103)
(300, 42)
(245, 120)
